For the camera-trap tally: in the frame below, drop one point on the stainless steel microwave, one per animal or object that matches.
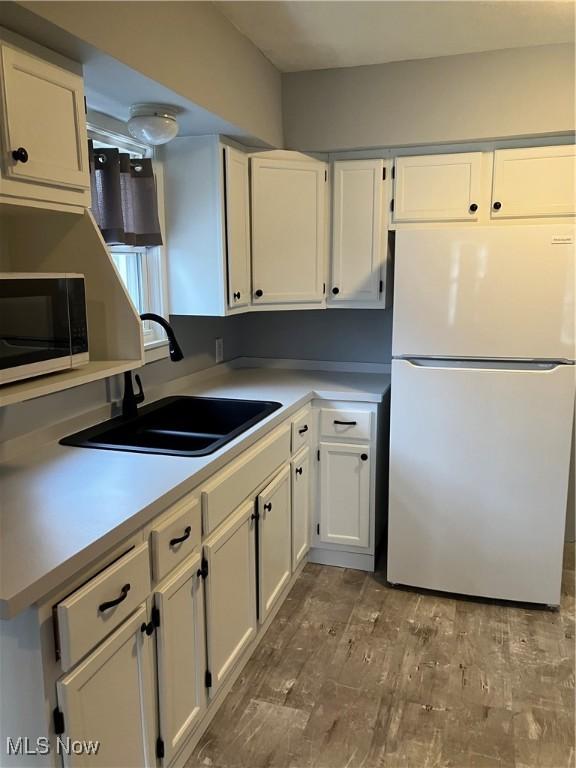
(43, 325)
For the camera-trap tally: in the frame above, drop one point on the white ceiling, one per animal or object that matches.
(305, 35)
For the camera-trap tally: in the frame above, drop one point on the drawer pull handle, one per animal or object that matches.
(345, 423)
(180, 539)
(304, 429)
(268, 507)
(298, 470)
(111, 603)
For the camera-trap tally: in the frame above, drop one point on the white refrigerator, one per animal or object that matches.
(482, 411)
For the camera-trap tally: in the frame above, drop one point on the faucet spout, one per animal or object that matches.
(173, 346)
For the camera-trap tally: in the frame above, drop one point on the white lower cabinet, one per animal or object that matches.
(274, 541)
(181, 654)
(109, 698)
(231, 621)
(300, 468)
(344, 494)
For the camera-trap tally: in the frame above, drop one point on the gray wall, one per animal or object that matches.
(338, 335)
(189, 47)
(344, 335)
(480, 96)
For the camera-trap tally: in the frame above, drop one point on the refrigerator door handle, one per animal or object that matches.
(540, 366)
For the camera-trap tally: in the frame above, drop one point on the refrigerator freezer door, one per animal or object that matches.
(478, 479)
(498, 292)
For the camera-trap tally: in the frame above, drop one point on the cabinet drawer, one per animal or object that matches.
(346, 424)
(176, 536)
(88, 615)
(301, 429)
(230, 487)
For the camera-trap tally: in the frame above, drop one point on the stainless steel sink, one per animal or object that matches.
(176, 426)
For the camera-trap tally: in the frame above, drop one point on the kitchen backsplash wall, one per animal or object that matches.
(337, 335)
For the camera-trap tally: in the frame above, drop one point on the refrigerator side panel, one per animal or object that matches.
(501, 292)
(478, 479)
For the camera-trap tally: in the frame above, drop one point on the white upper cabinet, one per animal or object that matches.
(536, 181)
(207, 226)
(109, 698)
(345, 494)
(44, 139)
(237, 202)
(288, 229)
(359, 234)
(181, 655)
(274, 541)
(438, 187)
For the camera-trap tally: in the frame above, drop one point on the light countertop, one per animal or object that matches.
(63, 507)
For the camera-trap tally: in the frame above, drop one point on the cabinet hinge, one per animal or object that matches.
(383, 174)
(318, 529)
(58, 722)
(392, 204)
(323, 287)
(208, 679)
(325, 175)
(393, 171)
(318, 454)
(159, 748)
(381, 286)
(203, 570)
(156, 616)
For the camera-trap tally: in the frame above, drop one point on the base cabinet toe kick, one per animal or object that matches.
(127, 664)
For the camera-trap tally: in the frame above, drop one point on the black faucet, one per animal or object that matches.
(131, 399)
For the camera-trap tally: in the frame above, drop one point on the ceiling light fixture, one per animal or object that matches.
(153, 123)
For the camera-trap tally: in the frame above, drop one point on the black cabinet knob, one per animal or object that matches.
(473, 208)
(236, 296)
(335, 291)
(258, 293)
(497, 205)
(364, 457)
(268, 506)
(298, 470)
(20, 155)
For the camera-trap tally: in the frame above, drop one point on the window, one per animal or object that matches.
(142, 269)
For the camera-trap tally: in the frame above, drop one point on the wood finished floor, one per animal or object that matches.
(353, 673)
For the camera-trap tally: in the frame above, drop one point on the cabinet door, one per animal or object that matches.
(301, 476)
(109, 698)
(43, 112)
(358, 233)
(288, 223)
(438, 187)
(237, 197)
(230, 592)
(344, 494)
(274, 541)
(537, 181)
(181, 650)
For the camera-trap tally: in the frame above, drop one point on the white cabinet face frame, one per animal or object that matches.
(438, 187)
(181, 653)
(301, 493)
(534, 182)
(110, 697)
(359, 232)
(288, 231)
(237, 214)
(345, 483)
(43, 112)
(230, 586)
(274, 541)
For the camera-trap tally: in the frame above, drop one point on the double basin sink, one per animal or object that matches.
(176, 426)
